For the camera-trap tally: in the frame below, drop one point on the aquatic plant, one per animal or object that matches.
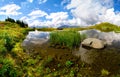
(104, 72)
(69, 39)
(68, 63)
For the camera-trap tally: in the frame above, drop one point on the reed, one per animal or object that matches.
(69, 39)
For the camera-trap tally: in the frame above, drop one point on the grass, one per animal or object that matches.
(11, 35)
(46, 29)
(69, 39)
(104, 27)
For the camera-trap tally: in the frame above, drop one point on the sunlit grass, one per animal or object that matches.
(104, 27)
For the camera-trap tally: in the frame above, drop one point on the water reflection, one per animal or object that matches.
(108, 58)
(111, 38)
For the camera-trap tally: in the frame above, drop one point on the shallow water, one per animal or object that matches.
(107, 58)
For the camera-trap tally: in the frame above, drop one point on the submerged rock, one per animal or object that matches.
(93, 43)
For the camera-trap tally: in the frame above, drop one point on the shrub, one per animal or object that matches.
(69, 39)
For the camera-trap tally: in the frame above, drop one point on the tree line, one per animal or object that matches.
(21, 23)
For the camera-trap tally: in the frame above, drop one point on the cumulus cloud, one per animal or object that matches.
(111, 16)
(84, 13)
(30, 1)
(57, 16)
(91, 12)
(52, 20)
(37, 13)
(10, 9)
(42, 1)
(33, 17)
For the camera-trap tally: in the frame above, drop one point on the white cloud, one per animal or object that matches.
(37, 13)
(10, 9)
(111, 16)
(30, 1)
(42, 1)
(32, 18)
(57, 16)
(52, 20)
(90, 12)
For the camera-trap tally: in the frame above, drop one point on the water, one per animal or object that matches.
(108, 58)
(111, 38)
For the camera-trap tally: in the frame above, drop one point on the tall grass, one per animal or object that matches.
(69, 39)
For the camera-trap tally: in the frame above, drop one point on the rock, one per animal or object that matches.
(112, 39)
(93, 43)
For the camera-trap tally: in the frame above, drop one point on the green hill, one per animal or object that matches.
(105, 27)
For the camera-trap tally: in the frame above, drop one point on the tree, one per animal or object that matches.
(10, 20)
(22, 23)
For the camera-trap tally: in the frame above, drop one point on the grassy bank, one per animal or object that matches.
(10, 35)
(104, 27)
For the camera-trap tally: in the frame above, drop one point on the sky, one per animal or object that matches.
(54, 13)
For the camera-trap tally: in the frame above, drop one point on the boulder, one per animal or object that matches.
(93, 43)
(111, 39)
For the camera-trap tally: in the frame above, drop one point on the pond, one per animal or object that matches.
(95, 62)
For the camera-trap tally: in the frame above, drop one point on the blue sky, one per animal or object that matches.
(54, 13)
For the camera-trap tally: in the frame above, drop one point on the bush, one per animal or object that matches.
(69, 39)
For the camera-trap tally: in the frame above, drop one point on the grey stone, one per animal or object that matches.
(93, 43)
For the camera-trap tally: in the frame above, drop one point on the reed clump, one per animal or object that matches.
(69, 39)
